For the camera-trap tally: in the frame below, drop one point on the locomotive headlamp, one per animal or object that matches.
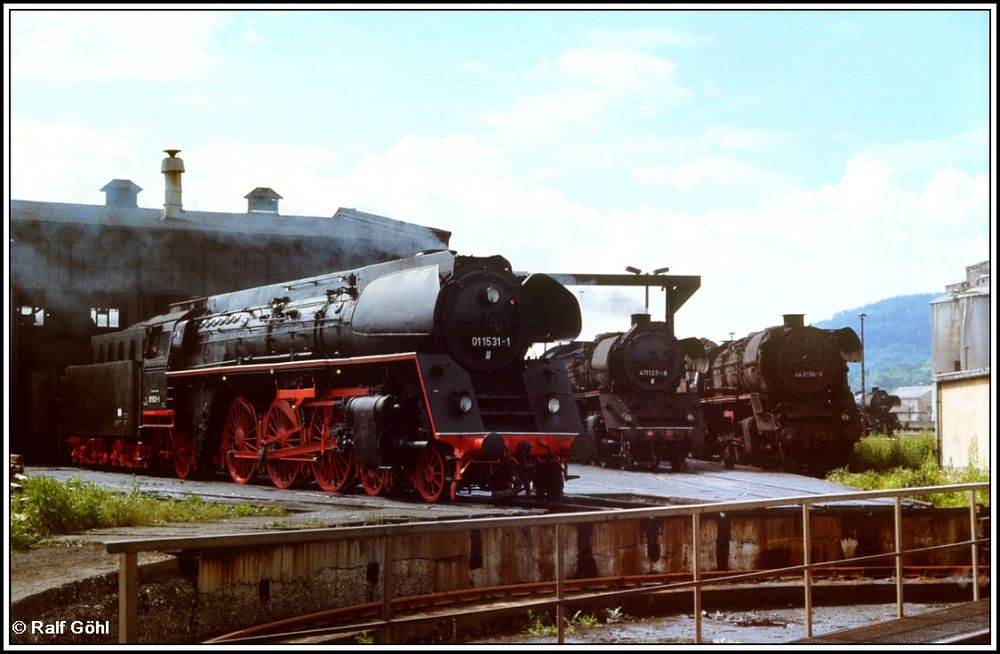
(628, 418)
(554, 405)
(492, 294)
(690, 417)
(463, 403)
(845, 417)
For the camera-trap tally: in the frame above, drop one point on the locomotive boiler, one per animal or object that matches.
(634, 394)
(409, 374)
(779, 398)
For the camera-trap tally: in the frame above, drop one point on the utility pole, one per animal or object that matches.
(862, 316)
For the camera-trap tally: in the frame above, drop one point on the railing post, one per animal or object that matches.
(560, 584)
(807, 572)
(898, 513)
(973, 536)
(128, 597)
(696, 572)
(388, 543)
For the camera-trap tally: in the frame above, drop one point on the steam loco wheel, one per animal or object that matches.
(375, 481)
(335, 470)
(430, 474)
(282, 430)
(240, 441)
(548, 481)
(183, 453)
(504, 480)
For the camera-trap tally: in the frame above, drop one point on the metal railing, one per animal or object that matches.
(386, 536)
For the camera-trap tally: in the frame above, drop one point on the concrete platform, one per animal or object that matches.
(701, 482)
(965, 624)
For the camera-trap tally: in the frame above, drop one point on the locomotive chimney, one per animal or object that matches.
(640, 319)
(794, 319)
(172, 168)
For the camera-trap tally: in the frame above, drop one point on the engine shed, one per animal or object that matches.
(77, 270)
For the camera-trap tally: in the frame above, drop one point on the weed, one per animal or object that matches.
(538, 625)
(48, 507)
(614, 615)
(582, 619)
(364, 638)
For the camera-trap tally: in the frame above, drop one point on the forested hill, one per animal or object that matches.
(897, 341)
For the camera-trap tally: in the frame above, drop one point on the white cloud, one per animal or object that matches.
(880, 230)
(86, 47)
(68, 161)
(459, 184)
(587, 84)
(619, 72)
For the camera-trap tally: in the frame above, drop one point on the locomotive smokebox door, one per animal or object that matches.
(372, 427)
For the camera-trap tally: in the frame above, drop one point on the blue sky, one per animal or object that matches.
(803, 161)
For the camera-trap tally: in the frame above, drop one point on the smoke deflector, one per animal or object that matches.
(398, 304)
(560, 319)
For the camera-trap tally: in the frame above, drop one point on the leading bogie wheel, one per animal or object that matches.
(374, 481)
(430, 474)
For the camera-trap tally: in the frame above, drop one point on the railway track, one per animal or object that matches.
(346, 622)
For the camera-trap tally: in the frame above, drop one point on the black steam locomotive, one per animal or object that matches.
(876, 414)
(405, 374)
(634, 393)
(779, 398)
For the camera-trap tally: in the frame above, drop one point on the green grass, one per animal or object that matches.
(48, 507)
(882, 463)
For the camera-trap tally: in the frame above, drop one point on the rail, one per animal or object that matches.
(385, 535)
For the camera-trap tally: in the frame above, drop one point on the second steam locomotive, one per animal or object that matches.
(404, 374)
(779, 398)
(635, 396)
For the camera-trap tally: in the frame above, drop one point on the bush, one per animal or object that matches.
(881, 453)
(881, 463)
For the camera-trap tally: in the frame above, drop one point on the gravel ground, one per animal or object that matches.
(771, 626)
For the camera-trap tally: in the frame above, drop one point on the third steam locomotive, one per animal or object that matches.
(779, 398)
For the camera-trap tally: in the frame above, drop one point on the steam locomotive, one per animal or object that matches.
(409, 374)
(634, 393)
(876, 414)
(779, 398)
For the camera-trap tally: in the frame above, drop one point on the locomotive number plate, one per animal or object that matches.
(491, 341)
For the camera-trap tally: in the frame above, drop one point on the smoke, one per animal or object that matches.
(607, 309)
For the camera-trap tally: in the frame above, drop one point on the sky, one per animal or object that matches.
(803, 160)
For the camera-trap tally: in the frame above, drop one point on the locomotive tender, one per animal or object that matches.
(634, 395)
(779, 398)
(404, 374)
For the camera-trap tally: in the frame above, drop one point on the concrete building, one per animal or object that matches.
(916, 406)
(960, 361)
(79, 269)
